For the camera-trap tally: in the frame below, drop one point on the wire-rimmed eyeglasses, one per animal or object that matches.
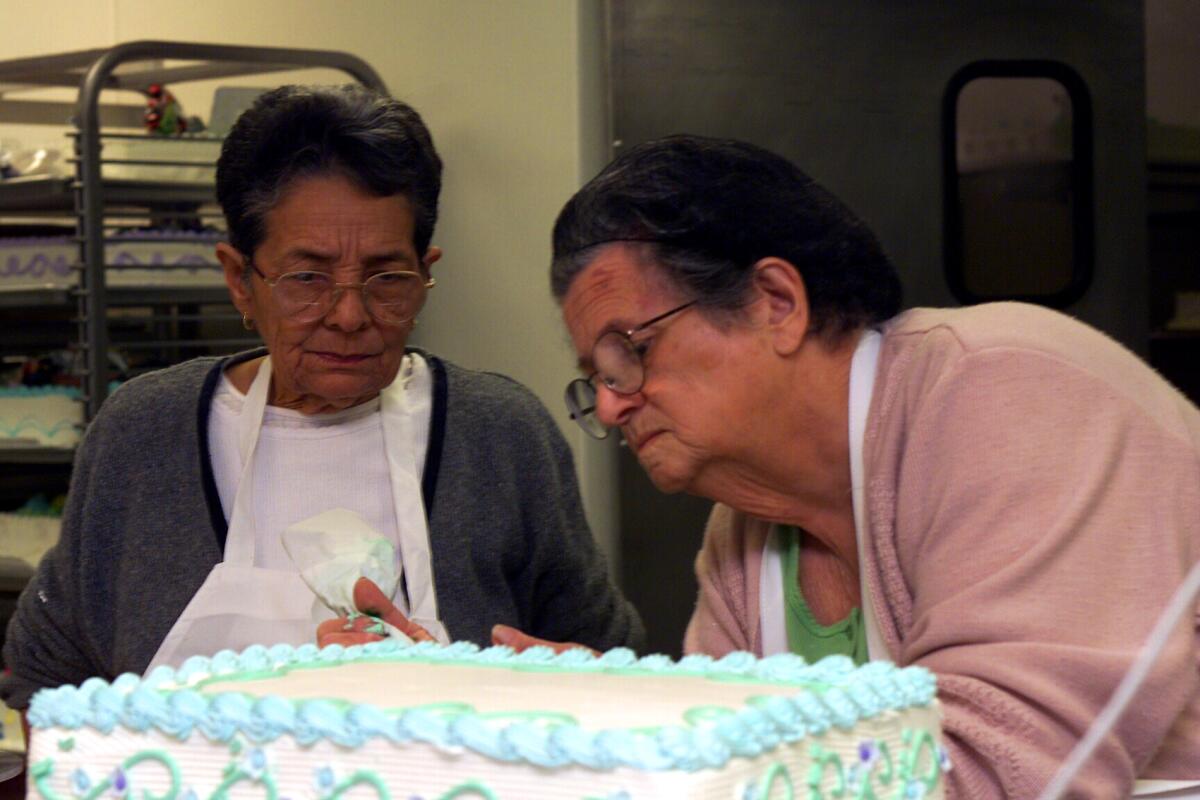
(617, 361)
(392, 297)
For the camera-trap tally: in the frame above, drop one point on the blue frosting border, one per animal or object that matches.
(165, 702)
(28, 392)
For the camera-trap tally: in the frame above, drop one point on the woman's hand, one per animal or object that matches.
(368, 599)
(519, 640)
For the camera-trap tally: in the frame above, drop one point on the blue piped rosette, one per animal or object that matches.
(832, 693)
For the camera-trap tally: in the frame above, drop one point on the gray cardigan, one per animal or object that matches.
(144, 526)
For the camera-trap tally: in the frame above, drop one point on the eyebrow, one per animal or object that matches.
(389, 257)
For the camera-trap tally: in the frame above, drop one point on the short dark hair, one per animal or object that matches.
(709, 209)
(378, 142)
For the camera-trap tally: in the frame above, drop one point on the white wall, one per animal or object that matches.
(514, 93)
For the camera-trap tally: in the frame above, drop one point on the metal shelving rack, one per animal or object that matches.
(96, 202)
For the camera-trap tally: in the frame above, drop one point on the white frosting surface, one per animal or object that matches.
(611, 700)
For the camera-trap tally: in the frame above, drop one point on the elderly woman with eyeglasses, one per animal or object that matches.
(172, 540)
(998, 493)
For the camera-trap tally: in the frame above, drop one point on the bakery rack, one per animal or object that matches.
(97, 203)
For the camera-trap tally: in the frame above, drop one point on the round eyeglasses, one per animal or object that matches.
(618, 365)
(392, 298)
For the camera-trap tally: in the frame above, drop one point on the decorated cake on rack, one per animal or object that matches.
(444, 722)
(147, 258)
(40, 416)
(28, 533)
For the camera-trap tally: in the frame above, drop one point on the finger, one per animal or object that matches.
(344, 624)
(519, 640)
(338, 630)
(348, 639)
(338, 626)
(331, 626)
(370, 599)
(411, 629)
(417, 633)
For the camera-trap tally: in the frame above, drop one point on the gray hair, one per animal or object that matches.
(378, 142)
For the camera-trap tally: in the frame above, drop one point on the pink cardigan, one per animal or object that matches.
(1032, 501)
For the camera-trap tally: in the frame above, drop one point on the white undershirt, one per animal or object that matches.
(309, 463)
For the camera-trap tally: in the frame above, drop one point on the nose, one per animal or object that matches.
(613, 409)
(349, 310)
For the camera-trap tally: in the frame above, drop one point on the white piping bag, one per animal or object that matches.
(332, 551)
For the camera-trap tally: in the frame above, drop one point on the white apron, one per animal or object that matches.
(240, 604)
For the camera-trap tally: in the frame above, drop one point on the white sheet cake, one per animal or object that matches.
(428, 722)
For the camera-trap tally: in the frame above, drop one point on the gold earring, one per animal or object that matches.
(247, 323)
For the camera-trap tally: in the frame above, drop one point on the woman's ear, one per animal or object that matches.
(781, 290)
(431, 257)
(234, 265)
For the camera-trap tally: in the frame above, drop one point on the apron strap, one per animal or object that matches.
(240, 540)
(862, 386)
(771, 614)
(399, 407)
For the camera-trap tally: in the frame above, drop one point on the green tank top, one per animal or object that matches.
(807, 637)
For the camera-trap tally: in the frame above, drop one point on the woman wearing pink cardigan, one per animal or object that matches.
(998, 493)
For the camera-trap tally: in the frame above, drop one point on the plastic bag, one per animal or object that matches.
(333, 550)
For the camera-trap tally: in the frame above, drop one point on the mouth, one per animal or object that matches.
(341, 359)
(640, 443)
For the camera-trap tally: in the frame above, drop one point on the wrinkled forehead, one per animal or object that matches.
(327, 211)
(618, 289)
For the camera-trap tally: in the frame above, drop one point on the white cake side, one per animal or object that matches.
(48, 416)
